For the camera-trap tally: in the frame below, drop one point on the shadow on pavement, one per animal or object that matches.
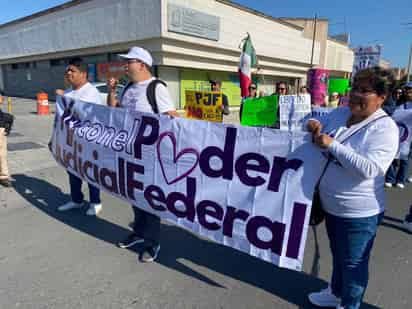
(178, 244)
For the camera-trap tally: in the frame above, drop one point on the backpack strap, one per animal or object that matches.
(151, 94)
(124, 91)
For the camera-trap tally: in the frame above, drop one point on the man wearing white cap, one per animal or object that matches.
(144, 94)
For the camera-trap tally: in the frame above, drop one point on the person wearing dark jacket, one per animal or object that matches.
(215, 86)
(393, 101)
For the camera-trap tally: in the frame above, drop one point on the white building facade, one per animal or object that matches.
(191, 41)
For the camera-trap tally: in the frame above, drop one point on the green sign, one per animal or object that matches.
(339, 85)
(260, 111)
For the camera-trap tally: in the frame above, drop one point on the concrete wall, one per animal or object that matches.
(1, 78)
(89, 24)
(172, 77)
(321, 37)
(45, 77)
(339, 57)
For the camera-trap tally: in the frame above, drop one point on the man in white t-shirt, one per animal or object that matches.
(81, 89)
(136, 97)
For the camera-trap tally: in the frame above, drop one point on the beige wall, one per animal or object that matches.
(282, 50)
(339, 57)
(85, 26)
(321, 36)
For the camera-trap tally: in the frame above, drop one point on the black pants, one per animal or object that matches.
(146, 226)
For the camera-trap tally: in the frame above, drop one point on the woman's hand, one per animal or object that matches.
(314, 126)
(322, 140)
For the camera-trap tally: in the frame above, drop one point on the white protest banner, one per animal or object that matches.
(243, 187)
(293, 109)
(403, 118)
(366, 57)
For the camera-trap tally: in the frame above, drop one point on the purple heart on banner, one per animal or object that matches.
(176, 157)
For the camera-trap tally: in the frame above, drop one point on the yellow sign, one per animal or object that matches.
(204, 105)
(198, 80)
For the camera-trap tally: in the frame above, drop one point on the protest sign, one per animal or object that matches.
(366, 57)
(246, 188)
(292, 111)
(260, 111)
(318, 85)
(319, 112)
(204, 105)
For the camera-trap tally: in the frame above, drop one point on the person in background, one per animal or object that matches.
(80, 89)
(334, 100)
(4, 169)
(303, 90)
(360, 142)
(393, 101)
(407, 96)
(398, 171)
(252, 94)
(215, 85)
(344, 100)
(281, 88)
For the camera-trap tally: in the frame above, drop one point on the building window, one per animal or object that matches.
(14, 66)
(34, 65)
(56, 62)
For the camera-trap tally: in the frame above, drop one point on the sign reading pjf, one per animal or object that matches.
(247, 188)
(204, 105)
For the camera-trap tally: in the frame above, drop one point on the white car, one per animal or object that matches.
(102, 88)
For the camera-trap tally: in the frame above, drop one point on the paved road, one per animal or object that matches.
(68, 260)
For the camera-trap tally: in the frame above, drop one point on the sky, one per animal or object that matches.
(368, 22)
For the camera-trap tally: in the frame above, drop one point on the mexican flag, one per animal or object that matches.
(247, 61)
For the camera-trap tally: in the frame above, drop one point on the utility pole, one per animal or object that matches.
(313, 39)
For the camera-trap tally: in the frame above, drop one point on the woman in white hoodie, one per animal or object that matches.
(360, 141)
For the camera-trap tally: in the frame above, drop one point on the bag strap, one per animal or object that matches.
(151, 94)
(365, 125)
(124, 91)
(346, 139)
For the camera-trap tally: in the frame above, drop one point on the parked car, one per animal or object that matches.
(102, 88)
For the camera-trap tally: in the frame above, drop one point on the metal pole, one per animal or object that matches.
(408, 72)
(9, 105)
(313, 39)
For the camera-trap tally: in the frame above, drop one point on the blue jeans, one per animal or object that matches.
(408, 217)
(351, 241)
(76, 190)
(398, 177)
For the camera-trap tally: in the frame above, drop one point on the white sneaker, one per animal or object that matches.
(407, 225)
(388, 185)
(400, 185)
(70, 205)
(94, 209)
(410, 179)
(324, 298)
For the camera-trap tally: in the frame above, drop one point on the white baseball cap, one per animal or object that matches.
(139, 53)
